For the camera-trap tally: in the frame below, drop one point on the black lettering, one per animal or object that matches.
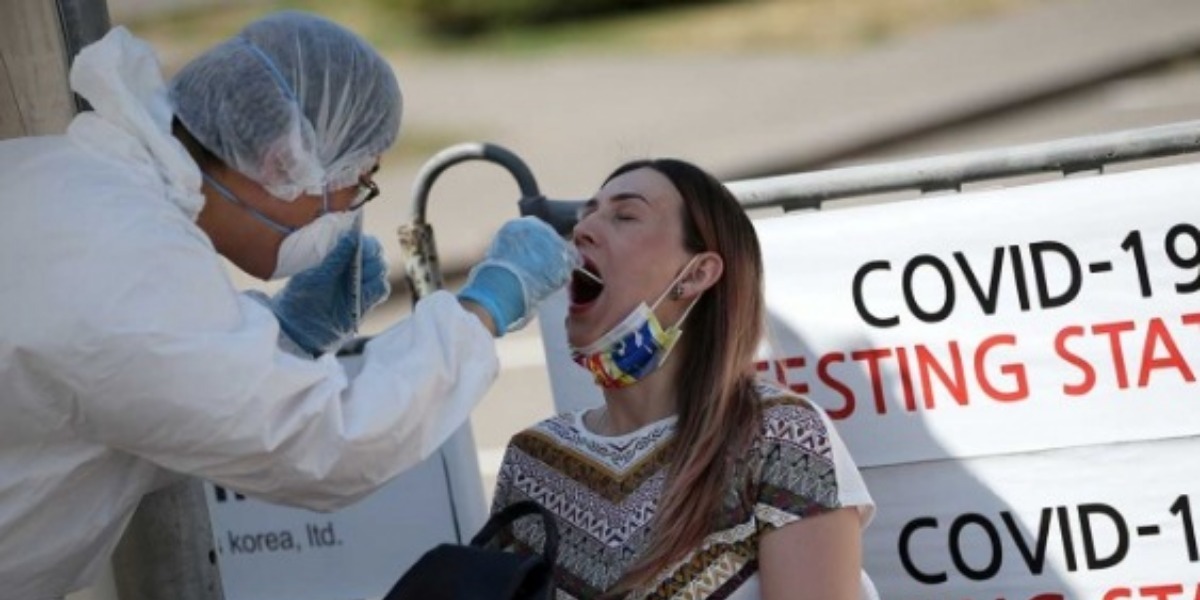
(860, 305)
(947, 283)
(987, 300)
(906, 554)
(1035, 560)
(993, 565)
(252, 543)
(235, 543)
(1036, 250)
(1086, 512)
(321, 536)
(1064, 527)
(1019, 277)
(222, 495)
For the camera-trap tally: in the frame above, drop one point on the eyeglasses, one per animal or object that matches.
(368, 190)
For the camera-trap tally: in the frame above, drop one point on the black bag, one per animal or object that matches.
(473, 572)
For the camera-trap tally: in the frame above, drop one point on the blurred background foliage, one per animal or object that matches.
(586, 26)
(437, 29)
(464, 18)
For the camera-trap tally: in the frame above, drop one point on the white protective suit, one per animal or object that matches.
(126, 354)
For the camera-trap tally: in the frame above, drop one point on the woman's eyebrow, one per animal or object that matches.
(629, 196)
(592, 203)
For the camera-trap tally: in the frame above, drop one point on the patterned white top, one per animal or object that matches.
(604, 491)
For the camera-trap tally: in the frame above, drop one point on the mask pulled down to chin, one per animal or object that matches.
(635, 347)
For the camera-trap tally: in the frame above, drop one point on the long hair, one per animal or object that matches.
(718, 412)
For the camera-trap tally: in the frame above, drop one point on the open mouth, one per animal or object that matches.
(586, 284)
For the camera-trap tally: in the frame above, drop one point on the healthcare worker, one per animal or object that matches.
(127, 357)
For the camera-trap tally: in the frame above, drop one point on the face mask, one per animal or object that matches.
(306, 247)
(635, 347)
(302, 248)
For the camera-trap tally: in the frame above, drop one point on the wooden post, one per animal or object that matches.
(34, 96)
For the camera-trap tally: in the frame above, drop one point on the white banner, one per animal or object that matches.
(995, 322)
(1112, 522)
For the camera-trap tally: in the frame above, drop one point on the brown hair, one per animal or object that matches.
(718, 408)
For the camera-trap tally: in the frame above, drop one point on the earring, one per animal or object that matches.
(677, 291)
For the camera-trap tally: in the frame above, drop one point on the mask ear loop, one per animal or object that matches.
(676, 329)
(228, 195)
(675, 285)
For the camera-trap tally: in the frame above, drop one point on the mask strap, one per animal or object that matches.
(682, 273)
(687, 311)
(229, 195)
(674, 281)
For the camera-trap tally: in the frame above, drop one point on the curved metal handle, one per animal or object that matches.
(459, 153)
(416, 237)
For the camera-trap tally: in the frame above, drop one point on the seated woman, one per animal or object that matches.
(694, 479)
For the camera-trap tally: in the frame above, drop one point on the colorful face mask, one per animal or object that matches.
(635, 347)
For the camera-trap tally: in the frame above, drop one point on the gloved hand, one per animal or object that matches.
(526, 262)
(316, 307)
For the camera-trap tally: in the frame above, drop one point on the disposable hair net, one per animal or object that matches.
(295, 102)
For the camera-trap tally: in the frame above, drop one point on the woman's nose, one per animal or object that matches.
(582, 233)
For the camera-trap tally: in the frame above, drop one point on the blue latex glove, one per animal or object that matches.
(526, 262)
(316, 307)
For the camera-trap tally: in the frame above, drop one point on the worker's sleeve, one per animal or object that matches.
(194, 381)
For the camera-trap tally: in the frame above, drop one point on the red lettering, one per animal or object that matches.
(826, 378)
(957, 386)
(1162, 592)
(791, 362)
(1114, 331)
(781, 367)
(906, 385)
(1159, 336)
(1089, 374)
(1165, 591)
(1014, 370)
(872, 357)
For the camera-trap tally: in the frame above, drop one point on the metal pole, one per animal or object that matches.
(1089, 153)
(83, 22)
(167, 550)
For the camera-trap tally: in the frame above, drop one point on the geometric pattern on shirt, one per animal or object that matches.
(604, 498)
(593, 469)
(615, 453)
(609, 521)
